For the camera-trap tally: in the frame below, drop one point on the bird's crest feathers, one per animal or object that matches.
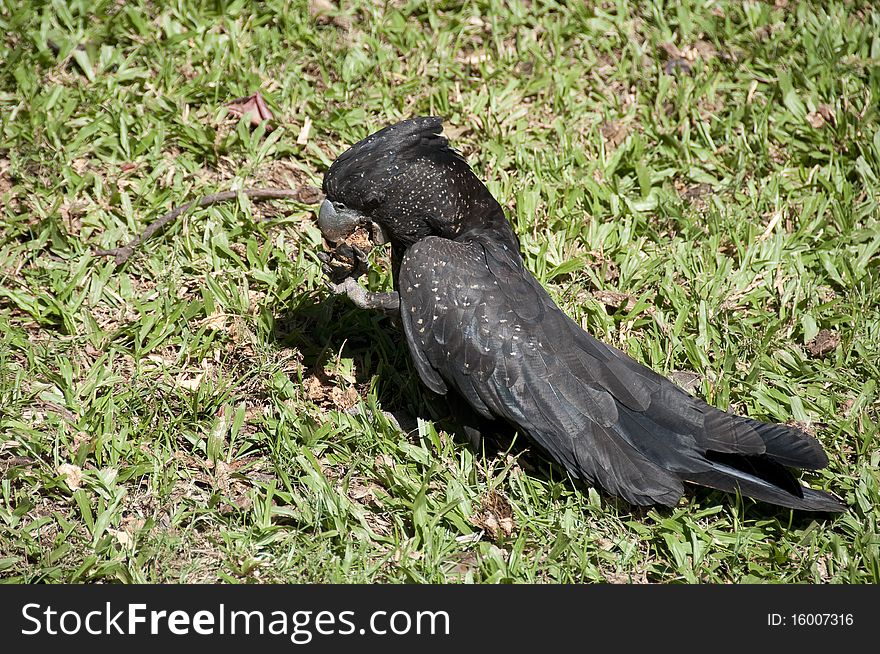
(407, 138)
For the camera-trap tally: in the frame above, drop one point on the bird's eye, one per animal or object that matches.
(338, 206)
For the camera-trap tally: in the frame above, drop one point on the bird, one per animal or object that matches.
(483, 332)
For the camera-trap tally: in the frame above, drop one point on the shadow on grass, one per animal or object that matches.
(325, 328)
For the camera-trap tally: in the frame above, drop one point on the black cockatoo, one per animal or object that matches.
(479, 325)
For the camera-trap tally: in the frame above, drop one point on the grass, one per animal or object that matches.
(696, 182)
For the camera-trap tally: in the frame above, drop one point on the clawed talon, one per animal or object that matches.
(344, 261)
(342, 266)
(359, 258)
(327, 266)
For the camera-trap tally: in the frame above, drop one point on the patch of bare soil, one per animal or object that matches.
(280, 173)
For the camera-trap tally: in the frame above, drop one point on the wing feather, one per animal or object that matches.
(478, 322)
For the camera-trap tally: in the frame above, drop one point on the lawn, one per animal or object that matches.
(696, 183)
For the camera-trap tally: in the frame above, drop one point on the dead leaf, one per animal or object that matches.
(771, 226)
(72, 475)
(457, 132)
(364, 493)
(283, 173)
(254, 108)
(612, 271)
(160, 360)
(344, 399)
(824, 342)
(678, 64)
(800, 425)
(133, 523)
(321, 7)
(122, 537)
(190, 383)
(303, 137)
(476, 58)
(827, 113)
(216, 321)
(9, 462)
(815, 119)
(321, 10)
(327, 394)
(254, 299)
(314, 389)
(821, 568)
(823, 114)
(495, 516)
(5, 180)
(80, 165)
(383, 461)
(614, 133)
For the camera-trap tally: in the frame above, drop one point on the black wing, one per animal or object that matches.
(477, 321)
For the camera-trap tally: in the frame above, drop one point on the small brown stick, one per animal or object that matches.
(121, 254)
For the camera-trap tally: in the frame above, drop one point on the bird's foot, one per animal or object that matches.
(343, 262)
(387, 303)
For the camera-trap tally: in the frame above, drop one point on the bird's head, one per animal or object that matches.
(406, 179)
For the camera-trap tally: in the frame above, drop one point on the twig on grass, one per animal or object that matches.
(305, 194)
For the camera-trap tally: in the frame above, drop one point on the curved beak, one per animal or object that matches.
(336, 225)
